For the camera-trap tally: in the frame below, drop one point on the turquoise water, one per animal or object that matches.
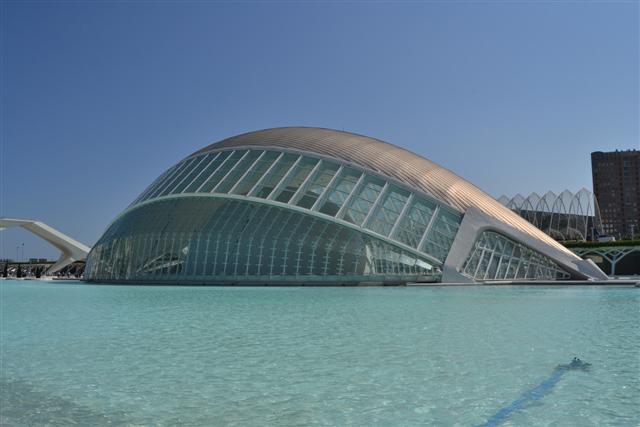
(127, 355)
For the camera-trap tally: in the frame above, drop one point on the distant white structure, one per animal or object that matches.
(71, 249)
(564, 216)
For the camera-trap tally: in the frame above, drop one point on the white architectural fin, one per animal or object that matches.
(71, 249)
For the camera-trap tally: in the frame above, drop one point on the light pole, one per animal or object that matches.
(23, 252)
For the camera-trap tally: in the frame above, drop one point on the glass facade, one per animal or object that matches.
(218, 240)
(496, 257)
(344, 223)
(325, 186)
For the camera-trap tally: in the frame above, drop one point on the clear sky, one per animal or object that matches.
(99, 98)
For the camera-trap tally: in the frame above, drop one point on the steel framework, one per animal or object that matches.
(564, 216)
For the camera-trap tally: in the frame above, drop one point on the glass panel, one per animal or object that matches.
(363, 200)
(274, 176)
(256, 172)
(493, 267)
(317, 184)
(414, 223)
(224, 168)
(503, 259)
(216, 241)
(195, 171)
(154, 185)
(168, 181)
(237, 172)
(442, 234)
(339, 191)
(206, 173)
(294, 179)
(190, 164)
(472, 263)
(388, 211)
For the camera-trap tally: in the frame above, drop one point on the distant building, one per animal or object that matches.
(564, 216)
(616, 184)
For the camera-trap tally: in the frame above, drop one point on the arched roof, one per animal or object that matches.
(390, 160)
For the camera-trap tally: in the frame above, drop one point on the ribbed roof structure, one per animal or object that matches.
(389, 160)
(566, 216)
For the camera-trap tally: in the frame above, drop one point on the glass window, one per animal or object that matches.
(294, 179)
(339, 191)
(220, 173)
(207, 240)
(206, 173)
(195, 171)
(257, 170)
(274, 176)
(442, 234)
(190, 164)
(414, 223)
(236, 173)
(388, 211)
(496, 257)
(363, 200)
(317, 184)
(154, 185)
(169, 180)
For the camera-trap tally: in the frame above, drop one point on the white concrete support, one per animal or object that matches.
(475, 222)
(612, 254)
(71, 249)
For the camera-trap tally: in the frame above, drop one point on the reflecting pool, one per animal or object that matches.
(83, 354)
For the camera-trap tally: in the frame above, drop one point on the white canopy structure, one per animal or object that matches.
(71, 249)
(564, 216)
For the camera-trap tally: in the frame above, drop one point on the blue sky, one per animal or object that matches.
(98, 98)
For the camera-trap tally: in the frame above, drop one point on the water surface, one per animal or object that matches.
(144, 355)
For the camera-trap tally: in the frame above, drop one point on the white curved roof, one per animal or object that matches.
(392, 161)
